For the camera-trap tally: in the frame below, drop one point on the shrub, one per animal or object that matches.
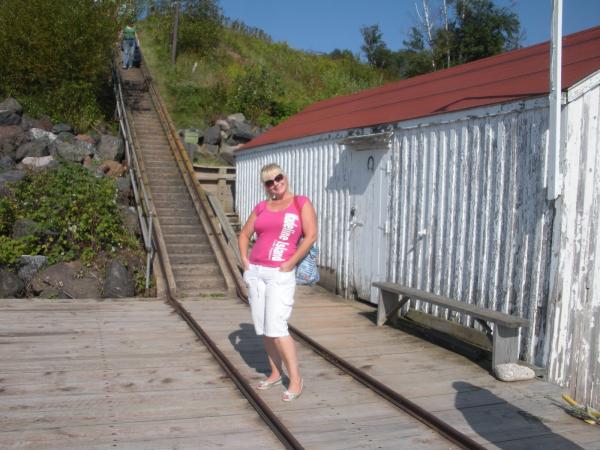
(77, 214)
(56, 55)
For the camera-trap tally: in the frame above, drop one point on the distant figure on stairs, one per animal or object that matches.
(128, 45)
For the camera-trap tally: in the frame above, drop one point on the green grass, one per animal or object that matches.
(266, 81)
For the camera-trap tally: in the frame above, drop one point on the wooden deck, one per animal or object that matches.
(114, 374)
(130, 375)
(520, 415)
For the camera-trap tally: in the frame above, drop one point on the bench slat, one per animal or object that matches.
(501, 318)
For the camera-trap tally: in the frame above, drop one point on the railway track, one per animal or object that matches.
(198, 264)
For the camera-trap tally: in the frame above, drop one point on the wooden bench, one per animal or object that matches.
(505, 334)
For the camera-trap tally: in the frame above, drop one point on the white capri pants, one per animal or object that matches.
(271, 296)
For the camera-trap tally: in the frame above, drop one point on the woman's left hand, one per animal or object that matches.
(286, 267)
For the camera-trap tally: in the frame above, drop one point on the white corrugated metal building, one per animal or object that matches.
(439, 182)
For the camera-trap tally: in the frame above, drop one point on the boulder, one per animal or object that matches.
(86, 138)
(25, 227)
(223, 124)
(240, 132)
(6, 163)
(212, 135)
(112, 168)
(29, 266)
(10, 285)
(9, 177)
(38, 133)
(9, 118)
(125, 191)
(60, 127)
(118, 283)
(110, 147)
(74, 152)
(12, 105)
(130, 220)
(11, 137)
(209, 149)
(513, 372)
(37, 148)
(226, 153)
(66, 136)
(28, 123)
(236, 117)
(39, 163)
(71, 278)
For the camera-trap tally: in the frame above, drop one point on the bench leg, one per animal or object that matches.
(505, 347)
(388, 306)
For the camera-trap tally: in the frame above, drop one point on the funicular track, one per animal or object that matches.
(197, 262)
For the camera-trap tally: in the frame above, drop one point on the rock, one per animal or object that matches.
(11, 105)
(125, 191)
(226, 153)
(66, 136)
(6, 163)
(25, 227)
(52, 293)
(223, 124)
(9, 118)
(209, 149)
(110, 147)
(241, 132)
(75, 152)
(11, 137)
(118, 283)
(86, 138)
(60, 127)
(28, 123)
(513, 372)
(10, 285)
(39, 163)
(112, 168)
(29, 266)
(237, 117)
(9, 177)
(212, 135)
(130, 220)
(72, 278)
(38, 133)
(37, 148)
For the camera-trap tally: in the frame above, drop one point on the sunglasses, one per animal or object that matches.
(270, 183)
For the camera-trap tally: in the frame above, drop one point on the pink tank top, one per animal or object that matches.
(277, 233)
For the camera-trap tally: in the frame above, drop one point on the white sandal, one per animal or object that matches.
(265, 384)
(288, 396)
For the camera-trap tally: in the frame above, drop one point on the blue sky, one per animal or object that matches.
(323, 25)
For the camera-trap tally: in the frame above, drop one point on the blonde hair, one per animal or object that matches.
(272, 170)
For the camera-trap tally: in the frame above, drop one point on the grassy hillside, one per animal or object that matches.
(242, 72)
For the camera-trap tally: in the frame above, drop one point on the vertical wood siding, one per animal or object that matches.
(470, 217)
(573, 347)
(470, 220)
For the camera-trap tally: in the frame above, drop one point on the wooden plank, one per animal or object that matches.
(225, 226)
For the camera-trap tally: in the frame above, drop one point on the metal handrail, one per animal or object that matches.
(143, 203)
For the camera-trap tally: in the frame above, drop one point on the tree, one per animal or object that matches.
(374, 48)
(459, 31)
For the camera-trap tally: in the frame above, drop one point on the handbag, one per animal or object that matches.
(307, 272)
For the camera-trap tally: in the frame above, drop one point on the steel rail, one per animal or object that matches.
(395, 398)
(267, 415)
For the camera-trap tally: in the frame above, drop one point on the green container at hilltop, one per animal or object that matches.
(190, 136)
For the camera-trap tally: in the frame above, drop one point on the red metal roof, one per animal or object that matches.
(502, 78)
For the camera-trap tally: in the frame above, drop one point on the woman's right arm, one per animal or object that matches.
(244, 239)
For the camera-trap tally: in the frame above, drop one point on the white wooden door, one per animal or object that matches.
(369, 225)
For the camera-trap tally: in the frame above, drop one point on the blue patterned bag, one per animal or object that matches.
(307, 271)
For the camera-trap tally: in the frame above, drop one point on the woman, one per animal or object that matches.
(269, 272)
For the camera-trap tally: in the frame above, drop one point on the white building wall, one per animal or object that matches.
(573, 346)
(470, 220)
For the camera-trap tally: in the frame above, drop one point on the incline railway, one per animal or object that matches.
(131, 374)
(199, 265)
